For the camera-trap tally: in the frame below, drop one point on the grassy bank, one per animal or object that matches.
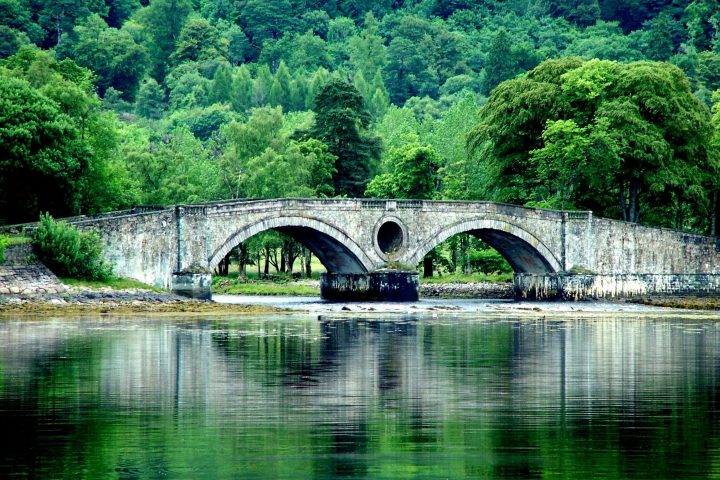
(284, 285)
(115, 283)
(251, 284)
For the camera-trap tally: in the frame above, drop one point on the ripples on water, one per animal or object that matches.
(394, 397)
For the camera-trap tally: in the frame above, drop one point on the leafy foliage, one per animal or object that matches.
(619, 139)
(69, 252)
(109, 103)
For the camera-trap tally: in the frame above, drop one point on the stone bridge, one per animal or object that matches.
(553, 253)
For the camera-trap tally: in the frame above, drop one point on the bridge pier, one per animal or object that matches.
(381, 285)
(570, 286)
(192, 284)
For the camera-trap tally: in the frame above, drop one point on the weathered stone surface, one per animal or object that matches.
(583, 286)
(390, 286)
(192, 285)
(360, 236)
(22, 273)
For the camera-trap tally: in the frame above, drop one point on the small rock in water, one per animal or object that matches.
(57, 301)
(345, 308)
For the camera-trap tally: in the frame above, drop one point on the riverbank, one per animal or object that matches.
(104, 300)
(686, 303)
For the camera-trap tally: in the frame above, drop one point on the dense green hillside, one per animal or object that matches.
(109, 103)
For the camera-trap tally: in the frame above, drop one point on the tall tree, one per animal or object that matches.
(112, 54)
(242, 89)
(499, 65)
(626, 140)
(341, 122)
(162, 22)
(42, 156)
(414, 175)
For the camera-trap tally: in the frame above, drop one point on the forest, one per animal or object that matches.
(604, 105)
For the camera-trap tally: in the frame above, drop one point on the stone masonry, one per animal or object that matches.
(353, 236)
(22, 274)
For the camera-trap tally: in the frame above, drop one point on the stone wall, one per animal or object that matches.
(142, 246)
(622, 247)
(21, 273)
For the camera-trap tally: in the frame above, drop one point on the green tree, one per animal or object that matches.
(659, 41)
(499, 66)
(112, 54)
(149, 100)
(242, 89)
(307, 172)
(341, 122)
(238, 45)
(246, 141)
(625, 140)
(414, 175)
(263, 21)
(69, 252)
(262, 85)
(198, 41)
(42, 156)
(162, 21)
(221, 90)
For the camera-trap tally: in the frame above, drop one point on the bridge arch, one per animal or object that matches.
(524, 252)
(335, 249)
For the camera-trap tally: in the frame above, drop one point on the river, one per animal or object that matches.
(484, 390)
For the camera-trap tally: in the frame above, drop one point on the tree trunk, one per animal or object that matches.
(267, 260)
(714, 214)
(427, 266)
(634, 207)
(243, 259)
(308, 263)
(454, 255)
(623, 210)
(223, 267)
(283, 254)
(274, 260)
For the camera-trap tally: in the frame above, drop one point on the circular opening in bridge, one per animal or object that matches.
(389, 237)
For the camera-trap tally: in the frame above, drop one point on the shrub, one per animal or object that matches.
(69, 252)
(3, 244)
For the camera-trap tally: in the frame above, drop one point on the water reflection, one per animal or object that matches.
(298, 397)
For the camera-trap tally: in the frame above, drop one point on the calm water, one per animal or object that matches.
(461, 396)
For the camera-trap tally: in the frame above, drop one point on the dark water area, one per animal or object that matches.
(397, 396)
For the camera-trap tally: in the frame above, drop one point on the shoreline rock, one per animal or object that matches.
(108, 301)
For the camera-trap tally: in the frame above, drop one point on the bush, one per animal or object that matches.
(69, 252)
(3, 244)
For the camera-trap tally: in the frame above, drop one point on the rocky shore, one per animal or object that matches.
(108, 301)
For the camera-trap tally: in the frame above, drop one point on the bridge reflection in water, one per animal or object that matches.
(296, 397)
(553, 253)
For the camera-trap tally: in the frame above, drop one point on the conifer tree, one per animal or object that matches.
(221, 88)
(341, 122)
(261, 87)
(242, 89)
